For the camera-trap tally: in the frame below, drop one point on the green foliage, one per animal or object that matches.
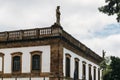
(112, 7)
(112, 71)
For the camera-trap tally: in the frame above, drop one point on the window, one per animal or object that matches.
(76, 72)
(36, 61)
(67, 68)
(84, 70)
(16, 62)
(94, 73)
(102, 73)
(98, 74)
(1, 62)
(90, 75)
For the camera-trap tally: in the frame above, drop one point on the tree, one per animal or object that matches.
(112, 7)
(112, 70)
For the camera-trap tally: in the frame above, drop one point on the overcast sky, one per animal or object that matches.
(80, 18)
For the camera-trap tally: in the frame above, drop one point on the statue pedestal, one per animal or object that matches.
(56, 28)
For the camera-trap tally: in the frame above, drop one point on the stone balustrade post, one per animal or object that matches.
(56, 29)
(37, 32)
(21, 34)
(6, 36)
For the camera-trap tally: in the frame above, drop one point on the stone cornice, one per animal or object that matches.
(52, 32)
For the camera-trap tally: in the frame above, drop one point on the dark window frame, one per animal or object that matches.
(94, 73)
(68, 65)
(16, 64)
(2, 56)
(98, 73)
(83, 70)
(36, 62)
(89, 72)
(33, 68)
(76, 68)
(13, 65)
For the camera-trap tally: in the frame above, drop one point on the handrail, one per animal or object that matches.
(24, 34)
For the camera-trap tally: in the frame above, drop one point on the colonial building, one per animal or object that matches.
(48, 53)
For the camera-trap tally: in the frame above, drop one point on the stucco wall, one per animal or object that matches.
(72, 64)
(0, 63)
(25, 79)
(26, 58)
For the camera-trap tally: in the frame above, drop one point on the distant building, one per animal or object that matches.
(46, 54)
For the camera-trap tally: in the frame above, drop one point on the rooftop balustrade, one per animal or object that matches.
(44, 32)
(25, 34)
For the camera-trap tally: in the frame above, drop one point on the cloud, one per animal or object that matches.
(108, 30)
(110, 44)
(80, 18)
(106, 38)
(25, 13)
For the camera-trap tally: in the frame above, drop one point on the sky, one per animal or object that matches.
(80, 18)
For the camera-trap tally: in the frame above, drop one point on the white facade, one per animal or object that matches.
(26, 58)
(0, 63)
(26, 61)
(25, 79)
(72, 64)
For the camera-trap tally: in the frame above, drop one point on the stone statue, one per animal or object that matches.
(103, 53)
(58, 15)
